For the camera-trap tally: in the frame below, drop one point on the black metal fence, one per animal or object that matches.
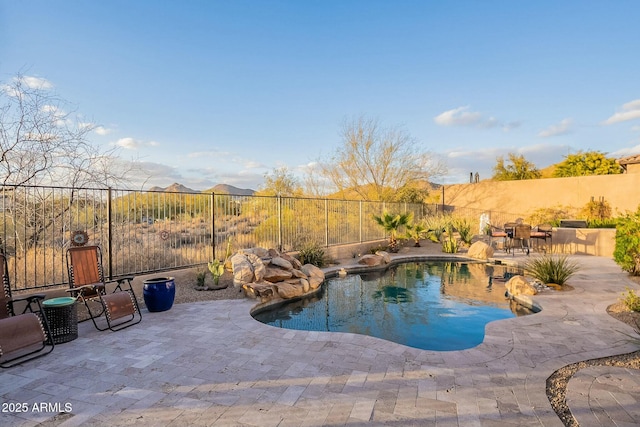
(144, 232)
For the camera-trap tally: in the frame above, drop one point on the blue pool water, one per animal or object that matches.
(427, 305)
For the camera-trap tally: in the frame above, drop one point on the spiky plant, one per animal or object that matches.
(436, 225)
(463, 225)
(551, 268)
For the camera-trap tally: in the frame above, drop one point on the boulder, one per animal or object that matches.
(267, 274)
(314, 274)
(276, 274)
(282, 263)
(371, 260)
(273, 253)
(385, 256)
(288, 290)
(242, 269)
(518, 285)
(247, 268)
(480, 250)
(294, 262)
(259, 252)
(260, 290)
(298, 273)
(306, 286)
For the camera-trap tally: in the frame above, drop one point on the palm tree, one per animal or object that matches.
(416, 232)
(391, 224)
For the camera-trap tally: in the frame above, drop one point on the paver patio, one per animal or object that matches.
(211, 364)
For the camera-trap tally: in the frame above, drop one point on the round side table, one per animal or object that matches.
(62, 316)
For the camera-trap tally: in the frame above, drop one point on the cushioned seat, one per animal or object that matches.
(23, 336)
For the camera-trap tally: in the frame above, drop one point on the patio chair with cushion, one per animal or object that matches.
(23, 336)
(496, 235)
(119, 306)
(542, 232)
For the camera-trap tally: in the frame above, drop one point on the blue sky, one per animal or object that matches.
(208, 92)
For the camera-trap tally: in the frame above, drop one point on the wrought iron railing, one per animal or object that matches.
(152, 231)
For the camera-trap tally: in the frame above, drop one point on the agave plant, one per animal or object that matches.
(551, 269)
(392, 224)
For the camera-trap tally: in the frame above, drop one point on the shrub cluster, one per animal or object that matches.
(627, 250)
(312, 253)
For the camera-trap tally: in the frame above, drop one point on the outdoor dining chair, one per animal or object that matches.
(115, 300)
(521, 237)
(542, 232)
(26, 335)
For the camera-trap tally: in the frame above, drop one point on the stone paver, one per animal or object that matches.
(211, 364)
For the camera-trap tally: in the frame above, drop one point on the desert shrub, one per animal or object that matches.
(463, 225)
(436, 225)
(378, 248)
(602, 223)
(596, 209)
(551, 215)
(551, 269)
(627, 250)
(312, 253)
(631, 300)
(450, 243)
(201, 277)
(416, 232)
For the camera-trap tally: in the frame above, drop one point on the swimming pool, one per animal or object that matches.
(431, 305)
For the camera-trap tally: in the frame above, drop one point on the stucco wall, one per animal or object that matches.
(622, 192)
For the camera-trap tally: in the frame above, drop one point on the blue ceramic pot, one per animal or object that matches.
(159, 293)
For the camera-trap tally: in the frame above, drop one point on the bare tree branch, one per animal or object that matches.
(376, 162)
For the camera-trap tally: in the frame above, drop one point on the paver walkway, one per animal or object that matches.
(211, 364)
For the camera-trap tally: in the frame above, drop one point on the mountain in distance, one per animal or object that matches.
(218, 189)
(174, 188)
(230, 189)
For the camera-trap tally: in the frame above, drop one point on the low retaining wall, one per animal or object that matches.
(584, 241)
(354, 250)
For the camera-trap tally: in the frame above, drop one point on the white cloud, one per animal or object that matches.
(458, 117)
(562, 128)
(626, 152)
(36, 82)
(101, 130)
(128, 143)
(134, 144)
(629, 111)
(462, 116)
(251, 164)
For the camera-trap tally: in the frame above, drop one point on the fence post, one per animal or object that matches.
(213, 225)
(109, 235)
(360, 231)
(326, 222)
(279, 202)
